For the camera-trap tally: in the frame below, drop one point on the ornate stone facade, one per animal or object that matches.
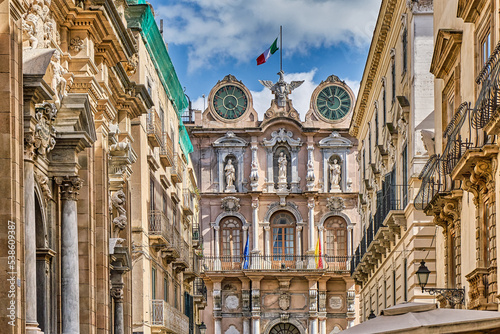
(72, 103)
(261, 239)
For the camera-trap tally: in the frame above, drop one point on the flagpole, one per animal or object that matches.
(281, 48)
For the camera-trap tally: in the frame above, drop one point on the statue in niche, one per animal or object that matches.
(230, 173)
(335, 176)
(282, 162)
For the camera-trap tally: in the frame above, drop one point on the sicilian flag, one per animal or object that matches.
(246, 254)
(317, 256)
(271, 50)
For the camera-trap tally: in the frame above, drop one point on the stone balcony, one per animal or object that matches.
(160, 230)
(167, 319)
(188, 203)
(277, 263)
(154, 127)
(176, 169)
(167, 151)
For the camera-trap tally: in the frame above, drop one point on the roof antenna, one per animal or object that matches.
(161, 28)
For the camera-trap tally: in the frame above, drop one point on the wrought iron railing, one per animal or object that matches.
(154, 127)
(165, 315)
(199, 288)
(167, 149)
(187, 202)
(277, 263)
(159, 225)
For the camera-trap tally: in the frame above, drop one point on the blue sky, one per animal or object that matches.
(208, 39)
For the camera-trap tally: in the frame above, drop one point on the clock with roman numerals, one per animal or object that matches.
(333, 102)
(230, 102)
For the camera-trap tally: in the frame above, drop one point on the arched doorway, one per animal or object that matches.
(284, 328)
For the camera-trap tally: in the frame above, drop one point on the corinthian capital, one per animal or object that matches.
(69, 186)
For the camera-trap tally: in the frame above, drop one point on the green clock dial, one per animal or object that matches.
(333, 102)
(230, 102)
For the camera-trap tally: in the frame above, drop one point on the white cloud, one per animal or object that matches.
(301, 97)
(215, 30)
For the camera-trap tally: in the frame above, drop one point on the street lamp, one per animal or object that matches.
(202, 327)
(453, 296)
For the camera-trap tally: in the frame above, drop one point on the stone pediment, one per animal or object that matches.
(230, 140)
(282, 136)
(469, 10)
(446, 51)
(335, 140)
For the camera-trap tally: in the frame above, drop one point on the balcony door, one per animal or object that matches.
(283, 233)
(231, 243)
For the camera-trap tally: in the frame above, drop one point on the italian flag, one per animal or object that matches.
(271, 50)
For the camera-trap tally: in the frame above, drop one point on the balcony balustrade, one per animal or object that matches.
(167, 151)
(166, 318)
(193, 270)
(277, 263)
(176, 169)
(154, 127)
(187, 203)
(160, 230)
(385, 225)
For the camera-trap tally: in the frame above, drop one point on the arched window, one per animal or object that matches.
(284, 328)
(231, 240)
(283, 229)
(336, 236)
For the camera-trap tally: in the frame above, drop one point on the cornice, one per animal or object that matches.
(382, 28)
(469, 10)
(446, 52)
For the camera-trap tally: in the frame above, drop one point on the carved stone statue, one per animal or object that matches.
(335, 175)
(58, 81)
(282, 162)
(281, 89)
(230, 173)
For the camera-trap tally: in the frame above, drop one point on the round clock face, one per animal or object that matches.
(230, 102)
(333, 102)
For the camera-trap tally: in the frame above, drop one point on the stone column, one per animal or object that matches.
(117, 294)
(313, 307)
(322, 326)
(311, 242)
(349, 241)
(256, 304)
(30, 239)
(321, 230)
(217, 263)
(256, 259)
(267, 239)
(246, 326)
(310, 206)
(299, 240)
(217, 307)
(245, 304)
(70, 293)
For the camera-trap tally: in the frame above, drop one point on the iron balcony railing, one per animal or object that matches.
(187, 203)
(277, 263)
(391, 198)
(176, 169)
(159, 225)
(167, 151)
(188, 116)
(199, 288)
(168, 317)
(154, 127)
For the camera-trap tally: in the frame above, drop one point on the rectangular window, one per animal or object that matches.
(165, 204)
(376, 126)
(405, 176)
(393, 79)
(393, 287)
(369, 143)
(176, 295)
(153, 283)
(405, 281)
(385, 294)
(162, 120)
(384, 104)
(151, 193)
(363, 163)
(165, 289)
(485, 48)
(174, 215)
(404, 40)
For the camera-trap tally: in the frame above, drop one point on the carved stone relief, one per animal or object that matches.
(335, 302)
(232, 302)
(335, 204)
(230, 204)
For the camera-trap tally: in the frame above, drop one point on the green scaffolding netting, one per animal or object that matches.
(140, 16)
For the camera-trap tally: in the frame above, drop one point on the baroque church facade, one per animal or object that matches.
(278, 209)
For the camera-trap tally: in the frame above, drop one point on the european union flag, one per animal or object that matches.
(246, 254)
